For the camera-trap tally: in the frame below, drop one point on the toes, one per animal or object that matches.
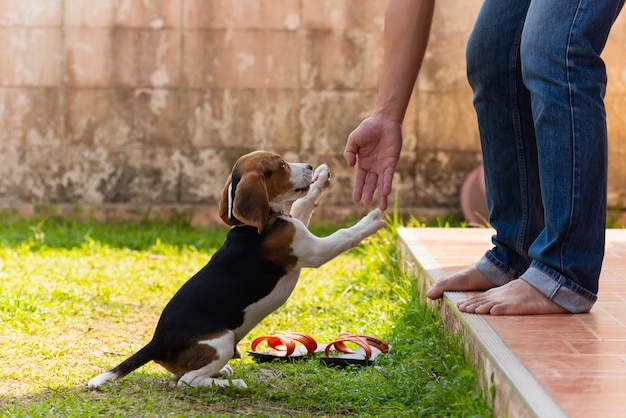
(464, 306)
(239, 383)
(484, 308)
(220, 383)
(322, 175)
(474, 305)
(498, 310)
(320, 169)
(226, 371)
(376, 214)
(435, 291)
(205, 381)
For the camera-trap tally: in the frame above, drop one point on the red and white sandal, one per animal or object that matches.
(284, 346)
(365, 355)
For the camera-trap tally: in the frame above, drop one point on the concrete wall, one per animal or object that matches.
(138, 103)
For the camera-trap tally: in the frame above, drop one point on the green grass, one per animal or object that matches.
(77, 298)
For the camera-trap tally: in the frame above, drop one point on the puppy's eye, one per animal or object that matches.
(283, 164)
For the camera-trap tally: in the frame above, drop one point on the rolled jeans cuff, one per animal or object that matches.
(494, 271)
(559, 289)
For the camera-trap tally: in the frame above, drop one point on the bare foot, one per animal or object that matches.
(514, 298)
(465, 280)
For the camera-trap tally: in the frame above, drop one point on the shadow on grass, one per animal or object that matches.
(280, 389)
(61, 232)
(425, 374)
(139, 394)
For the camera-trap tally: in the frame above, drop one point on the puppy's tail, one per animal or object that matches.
(133, 362)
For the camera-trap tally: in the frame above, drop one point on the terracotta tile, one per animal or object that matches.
(242, 14)
(580, 334)
(613, 310)
(614, 286)
(599, 316)
(343, 14)
(30, 57)
(579, 359)
(566, 362)
(599, 406)
(589, 395)
(599, 346)
(585, 384)
(564, 323)
(610, 333)
(607, 296)
(240, 59)
(533, 346)
(30, 13)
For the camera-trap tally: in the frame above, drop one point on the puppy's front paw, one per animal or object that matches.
(321, 177)
(373, 221)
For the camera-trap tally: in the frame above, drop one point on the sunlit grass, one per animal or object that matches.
(77, 298)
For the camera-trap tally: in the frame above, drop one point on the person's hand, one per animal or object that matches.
(374, 146)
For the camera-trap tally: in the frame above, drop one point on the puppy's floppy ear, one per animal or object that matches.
(245, 200)
(251, 204)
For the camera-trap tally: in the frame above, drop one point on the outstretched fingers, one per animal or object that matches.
(371, 183)
(367, 182)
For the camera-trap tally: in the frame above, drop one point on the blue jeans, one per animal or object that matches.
(539, 85)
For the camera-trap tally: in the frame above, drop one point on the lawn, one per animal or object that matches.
(76, 298)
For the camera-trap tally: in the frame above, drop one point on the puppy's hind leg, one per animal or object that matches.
(207, 375)
(303, 208)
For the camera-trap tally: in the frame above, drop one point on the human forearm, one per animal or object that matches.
(375, 145)
(407, 26)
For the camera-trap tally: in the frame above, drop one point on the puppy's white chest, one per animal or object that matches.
(255, 312)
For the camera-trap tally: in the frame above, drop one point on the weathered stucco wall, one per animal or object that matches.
(137, 103)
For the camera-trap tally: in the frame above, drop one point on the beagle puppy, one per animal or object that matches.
(250, 276)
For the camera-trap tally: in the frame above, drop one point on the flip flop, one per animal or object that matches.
(369, 348)
(284, 346)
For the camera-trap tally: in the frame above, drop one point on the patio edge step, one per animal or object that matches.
(517, 392)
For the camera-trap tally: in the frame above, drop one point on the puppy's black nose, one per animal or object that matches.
(309, 167)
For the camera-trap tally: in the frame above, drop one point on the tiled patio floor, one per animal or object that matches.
(543, 365)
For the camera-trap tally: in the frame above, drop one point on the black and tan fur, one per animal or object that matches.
(250, 276)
